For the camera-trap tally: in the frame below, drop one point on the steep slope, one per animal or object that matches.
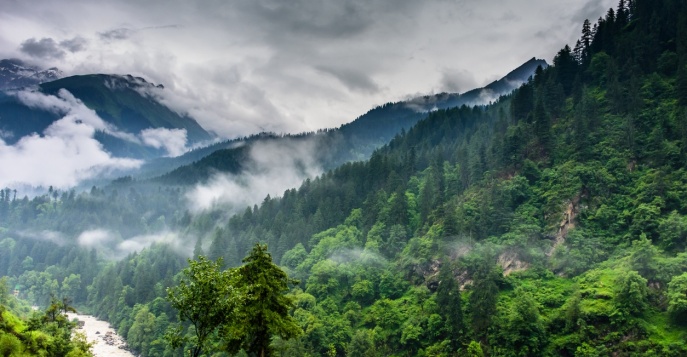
(121, 100)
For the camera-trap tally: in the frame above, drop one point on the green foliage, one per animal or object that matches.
(46, 333)
(142, 332)
(553, 219)
(677, 298)
(235, 309)
(474, 349)
(449, 303)
(673, 232)
(205, 296)
(643, 257)
(264, 311)
(579, 254)
(631, 293)
(361, 344)
(484, 295)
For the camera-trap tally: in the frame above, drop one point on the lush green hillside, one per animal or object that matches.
(44, 333)
(551, 223)
(561, 211)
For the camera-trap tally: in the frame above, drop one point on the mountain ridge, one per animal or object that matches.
(122, 101)
(352, 141)
(15, 73)
(550, 223)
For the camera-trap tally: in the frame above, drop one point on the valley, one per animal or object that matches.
(544, 214)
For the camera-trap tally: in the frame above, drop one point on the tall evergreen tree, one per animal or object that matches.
(450, 305)
(484, 296)
(265, 311)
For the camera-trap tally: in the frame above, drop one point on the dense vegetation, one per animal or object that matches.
(47, 333)
(553, 222)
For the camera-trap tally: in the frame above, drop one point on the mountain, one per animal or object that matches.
(552, 222)
(353, 141)
(128, 103)
(15, 73)
(480, 96)
(379, 125)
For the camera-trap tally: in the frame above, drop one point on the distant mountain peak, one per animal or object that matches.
(127, 81)
(526, 69)
(15, 73)
(478, 96)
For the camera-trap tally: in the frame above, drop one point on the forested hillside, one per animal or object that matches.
(25, 332)
(550, 223)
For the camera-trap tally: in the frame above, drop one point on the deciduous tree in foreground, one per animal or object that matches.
(207, 298)
(243, 307)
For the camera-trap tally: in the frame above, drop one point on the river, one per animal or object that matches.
(106, 342)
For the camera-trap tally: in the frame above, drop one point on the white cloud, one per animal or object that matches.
(112, 246)
(172, 140)
(71, 107)
(138, 243)
(95, 238)
(66, 153)
(272, 168)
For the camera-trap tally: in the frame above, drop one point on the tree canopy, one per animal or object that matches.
(242, 308)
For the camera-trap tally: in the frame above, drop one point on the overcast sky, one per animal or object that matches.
(243, 66)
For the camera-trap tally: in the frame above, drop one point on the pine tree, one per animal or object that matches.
(198, 248)
(622, 15)
(484, 296)
(578, 52)
(265, 311)
(542, 126)
(450, 307)
(682, 85)
(586, 41)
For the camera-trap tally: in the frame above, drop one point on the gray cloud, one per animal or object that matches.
(353, 79)
(509, 15)
(591, 11)
(45, 48)
(161, 27)
(6, 134)
(240, 66)
(313, 20)
(116, 34)
(457, 81)
(75, 44)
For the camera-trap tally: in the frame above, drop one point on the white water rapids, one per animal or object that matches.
(106, 342)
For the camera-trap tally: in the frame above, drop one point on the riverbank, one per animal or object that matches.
(106, 342)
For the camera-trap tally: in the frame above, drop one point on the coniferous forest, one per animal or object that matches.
(552, 222)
